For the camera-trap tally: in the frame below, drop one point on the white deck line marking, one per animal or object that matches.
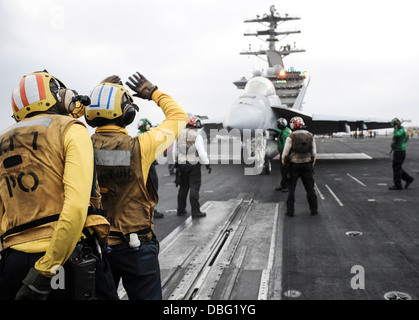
(343, 156)
(362, 184)
(336, 198)
(318, 191)
(264, 281)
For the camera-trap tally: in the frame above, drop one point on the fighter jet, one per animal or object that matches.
(279, 93)
(257, 111)
(253, 114)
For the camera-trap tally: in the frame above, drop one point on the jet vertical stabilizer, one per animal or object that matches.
(298, 104)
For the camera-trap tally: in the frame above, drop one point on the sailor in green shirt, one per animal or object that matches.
(283, 131)
(398, 147)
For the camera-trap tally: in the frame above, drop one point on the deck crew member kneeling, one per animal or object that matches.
(299, 156)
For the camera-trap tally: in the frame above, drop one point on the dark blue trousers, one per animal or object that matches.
(139, 270)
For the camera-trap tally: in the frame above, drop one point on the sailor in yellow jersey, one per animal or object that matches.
(123, 164)
(46, 164)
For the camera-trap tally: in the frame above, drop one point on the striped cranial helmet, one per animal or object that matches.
(34, 93)
(110, 101)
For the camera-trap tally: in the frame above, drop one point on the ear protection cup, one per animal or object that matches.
(65, 103)
(110, 103)
(129, 109)
(128, 114)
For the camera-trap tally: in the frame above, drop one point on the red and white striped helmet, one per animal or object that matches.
(33, 94)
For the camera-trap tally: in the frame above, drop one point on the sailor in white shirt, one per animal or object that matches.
(189, 152)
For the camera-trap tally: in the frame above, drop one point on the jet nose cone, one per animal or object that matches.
(242, 116)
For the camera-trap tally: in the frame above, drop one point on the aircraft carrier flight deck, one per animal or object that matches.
(363, 245)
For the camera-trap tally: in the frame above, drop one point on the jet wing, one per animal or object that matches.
(328, 124)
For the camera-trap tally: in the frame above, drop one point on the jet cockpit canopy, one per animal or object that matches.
(260, 85)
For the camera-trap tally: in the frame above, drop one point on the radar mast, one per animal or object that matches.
(290, 84)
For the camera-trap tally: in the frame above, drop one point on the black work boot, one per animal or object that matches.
(181, 213)
(199, 215)
(395, 188)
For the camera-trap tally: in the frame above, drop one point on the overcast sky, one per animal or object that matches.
(362, 55)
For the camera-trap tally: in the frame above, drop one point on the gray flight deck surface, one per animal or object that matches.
(247, 248)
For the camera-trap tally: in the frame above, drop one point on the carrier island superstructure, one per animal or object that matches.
(290, 84)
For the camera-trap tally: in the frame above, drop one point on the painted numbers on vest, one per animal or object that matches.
(11, 145)
(25, 181)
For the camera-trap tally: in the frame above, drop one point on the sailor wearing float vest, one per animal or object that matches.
(46, 164)
(123, 164)
(299, 156)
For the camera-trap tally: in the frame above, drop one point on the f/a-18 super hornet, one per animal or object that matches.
(277, 93)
